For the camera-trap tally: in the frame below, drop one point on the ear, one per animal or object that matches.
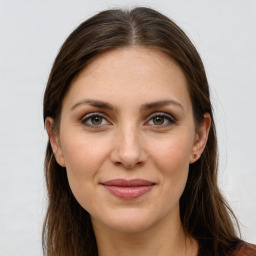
(54, 140)
(201, 137)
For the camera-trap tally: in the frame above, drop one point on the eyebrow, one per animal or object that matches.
(94, 103)
(161, 103)
(147, 106)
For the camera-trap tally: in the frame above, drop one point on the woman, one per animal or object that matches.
(131, 163)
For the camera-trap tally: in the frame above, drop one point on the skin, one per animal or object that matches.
(131, 140)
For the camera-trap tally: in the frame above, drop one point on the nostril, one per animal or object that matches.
(129, 166)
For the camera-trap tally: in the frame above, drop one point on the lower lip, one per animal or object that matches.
(128, 192)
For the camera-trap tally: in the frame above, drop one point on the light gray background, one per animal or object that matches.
(31, 32)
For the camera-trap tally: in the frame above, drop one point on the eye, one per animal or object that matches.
(161, 119)
(94, 120)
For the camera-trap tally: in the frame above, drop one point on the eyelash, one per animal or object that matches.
(88, 117)
(168, 120)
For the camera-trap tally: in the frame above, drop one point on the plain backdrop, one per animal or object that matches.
(31, 33)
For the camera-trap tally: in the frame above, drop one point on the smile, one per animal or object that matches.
(128, 189)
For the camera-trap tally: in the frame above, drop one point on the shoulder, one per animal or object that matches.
(245, 249)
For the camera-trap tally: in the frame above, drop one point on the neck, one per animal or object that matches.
(163, 239)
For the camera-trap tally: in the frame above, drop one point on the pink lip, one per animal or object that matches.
(128, 189)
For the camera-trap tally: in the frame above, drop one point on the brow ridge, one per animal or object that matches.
(94, 103)
(161, 103)
(146, 106)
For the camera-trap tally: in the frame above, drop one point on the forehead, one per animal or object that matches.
(130, 74)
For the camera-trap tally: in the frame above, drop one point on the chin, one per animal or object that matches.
(127, 221)
(130, 226)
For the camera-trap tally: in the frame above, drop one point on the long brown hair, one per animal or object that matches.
(204, 213)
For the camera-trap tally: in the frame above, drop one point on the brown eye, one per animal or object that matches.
(96, 120)
(158, 120)
(161, 120)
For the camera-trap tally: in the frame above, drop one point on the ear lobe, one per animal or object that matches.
(201, 138)
(54, 141)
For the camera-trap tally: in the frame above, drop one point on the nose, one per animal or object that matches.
(128, 150)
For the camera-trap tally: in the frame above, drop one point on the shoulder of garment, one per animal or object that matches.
(245, 249)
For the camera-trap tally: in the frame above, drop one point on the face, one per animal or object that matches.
(127, 137)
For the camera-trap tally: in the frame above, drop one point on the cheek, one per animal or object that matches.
(172, 153)
(83, 158)
(171, 157)
(83, 154)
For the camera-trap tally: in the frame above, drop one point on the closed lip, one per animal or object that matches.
(128, 189)
(128, 183)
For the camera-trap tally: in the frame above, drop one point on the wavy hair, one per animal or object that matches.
(205, 214)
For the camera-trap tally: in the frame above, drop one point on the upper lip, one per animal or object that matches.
(128, 183)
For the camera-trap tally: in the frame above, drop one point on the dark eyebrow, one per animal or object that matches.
(94, 103)
(147, 106)
(161, 103)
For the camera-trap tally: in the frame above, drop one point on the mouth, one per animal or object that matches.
(128, 189)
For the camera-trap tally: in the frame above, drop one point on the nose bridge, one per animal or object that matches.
(128, 149)
(129, 139)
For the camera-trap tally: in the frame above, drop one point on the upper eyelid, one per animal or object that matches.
(93, 114)
(161, 114)
(87, 117)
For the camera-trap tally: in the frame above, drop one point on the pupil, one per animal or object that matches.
(97, 120)
(158, 120)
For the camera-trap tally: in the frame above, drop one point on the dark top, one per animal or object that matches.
(245, 249)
